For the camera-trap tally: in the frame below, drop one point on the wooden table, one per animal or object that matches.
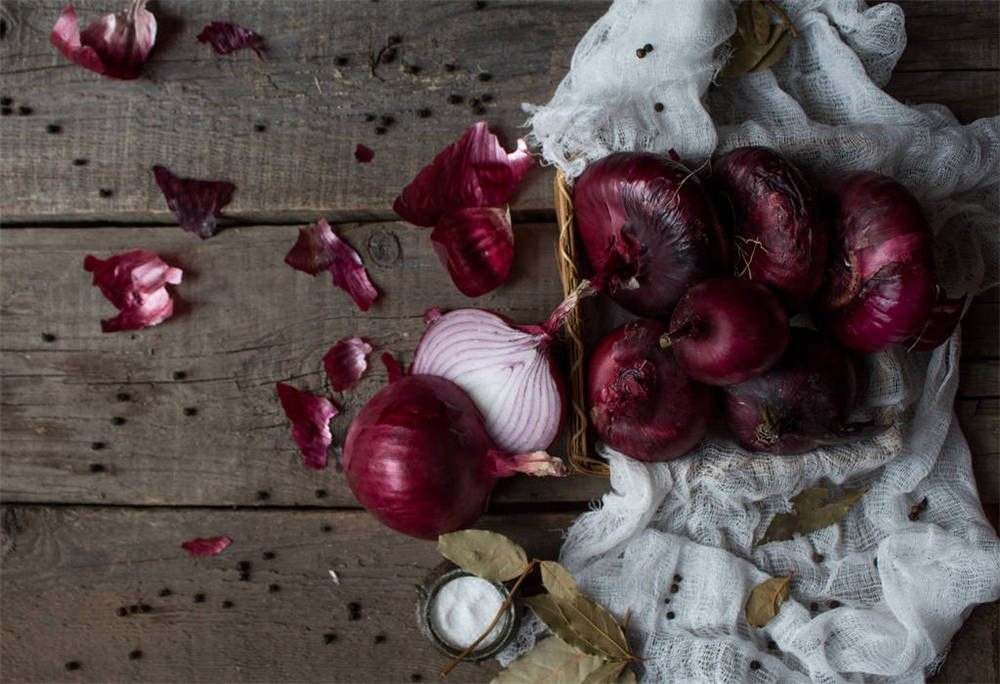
(118, 447)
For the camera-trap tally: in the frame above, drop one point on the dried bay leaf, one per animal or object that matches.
(765, 600)
(551, 661)
(558, 580)
(810, 513)
(486, 554)
(582, 623)
(608, 673)
(757, 44)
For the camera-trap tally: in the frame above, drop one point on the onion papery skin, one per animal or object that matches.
(780, 236)
(505, 368)
(801, 403)
(418, 459)
(641, 403)
(739, 329)
(660, 219)
(941, 323)
(880, 284)
(476, 246)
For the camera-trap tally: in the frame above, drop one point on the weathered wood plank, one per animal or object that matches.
(980, 421)
(197, 112)
(247, 322)
(67, 571)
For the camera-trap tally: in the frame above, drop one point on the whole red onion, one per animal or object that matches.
(641, 403)
(880, 283)
(418, 458)
(801, 403)
(780, 237)
(653, 219)
(727, 330)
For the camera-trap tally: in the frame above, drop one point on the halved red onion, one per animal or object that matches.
(475, 171)
(225, 37)
(346, 362)
(135, 282)
(363, 154)
(116, 45)
(206, 546)
(195, 203)
(310, 416)
(505, 368)
(476, 245)
(319, 249)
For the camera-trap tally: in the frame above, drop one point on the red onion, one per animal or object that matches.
(506, 368)
(641, 403)
(779, 234)
(880, 284)
(801, 403)
(727, 330)
(418, 458)
(655, 215)
(940, 324)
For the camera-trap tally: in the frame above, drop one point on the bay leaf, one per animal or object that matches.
(810, 513)
(765, 600)
(774, 51)
(608, 673)
(486, 554)
(551, 661)
(760, 21)
(582, 623)
(558, 580)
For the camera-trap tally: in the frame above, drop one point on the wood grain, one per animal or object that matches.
(69, 570)
(247, 321)
(316, 97)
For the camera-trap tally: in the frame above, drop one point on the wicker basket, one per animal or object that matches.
(577, 447)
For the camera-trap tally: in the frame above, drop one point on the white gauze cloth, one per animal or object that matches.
(901, 587)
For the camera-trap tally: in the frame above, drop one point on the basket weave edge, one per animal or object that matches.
(577, 450)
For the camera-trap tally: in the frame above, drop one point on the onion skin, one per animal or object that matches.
(736, 329)
(476, 246)
(880, 284)
(655, 215)
(800, 404)
(641, 403)
(418, 458)
(780, 237)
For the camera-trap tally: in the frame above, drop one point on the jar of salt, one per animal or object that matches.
(458, 607)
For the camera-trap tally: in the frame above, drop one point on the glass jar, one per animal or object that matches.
(450, 625)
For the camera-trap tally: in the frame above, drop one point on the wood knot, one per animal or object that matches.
(384, 248)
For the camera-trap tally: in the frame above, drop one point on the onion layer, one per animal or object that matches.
(506, 370)
(655, 215)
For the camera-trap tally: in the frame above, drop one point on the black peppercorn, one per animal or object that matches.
(48, 337)
(273, 588)
(670, 615)
(164, 592)
(24, 110)
(73, 665)
(96, 467)
(329, 638)
(199, 598)
(380, 130)
(80, 161)
(484, 76)
(648, 47)
(678, 578)
(818, 557)
(640, 53)
(754, 665)
(145, 608)
(380, 638)
(320, 493)
(342, 61)
(353, 611)
(117, 420)
(190, 411)
(227, 604)
(263, 496)
(658, 107)
(135, 655)
(268, 555)
(53, 128)
(179, 375)
(455, 99)
(123, 396)
(6, 101)
(122, 611)
(423, 113)
(105, 192)
(674, 588)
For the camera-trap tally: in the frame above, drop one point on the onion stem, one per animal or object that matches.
(668, 339)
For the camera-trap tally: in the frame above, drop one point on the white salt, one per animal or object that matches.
(462, 610)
